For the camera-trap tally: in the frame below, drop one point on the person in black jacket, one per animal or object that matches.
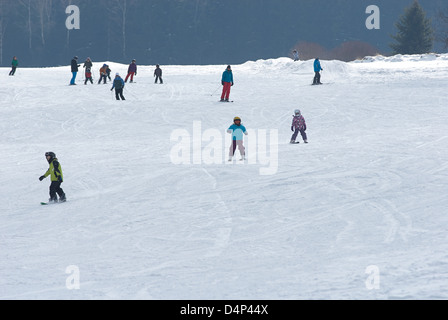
(75, 67)
(158, 74)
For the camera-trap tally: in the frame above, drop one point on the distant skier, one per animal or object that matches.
(88, 64)
(103, 74)
(118, 85)
(227, 83)
(158, 74)
(237, 130)
(108, 71)
(295, 54)
(132, 70)
(74, 66)
(88, 75)
(317, 70)
(55, 171)
(14, 64)
(298, 125)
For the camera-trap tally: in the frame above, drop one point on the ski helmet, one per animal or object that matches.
(52, 155)
(236, 119)
(297, 112)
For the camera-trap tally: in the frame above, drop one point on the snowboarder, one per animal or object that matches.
(317, 69)
(158, 74)
(237, 130)
(55, 171)
(132, 70)
(227, 83)
(118, 85)
(108, 71)
(75, 66)
(88, 76)
(14, 64)
(298, 125)
(295, 54)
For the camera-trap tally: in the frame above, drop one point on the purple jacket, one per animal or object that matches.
(132, 68)
(299, 122)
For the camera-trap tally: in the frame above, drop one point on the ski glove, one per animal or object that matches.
(222, 82)
(41, 178)
(292, 128)
(232, 84)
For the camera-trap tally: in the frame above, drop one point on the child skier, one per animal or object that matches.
(118, 86)
(103, 74)
(237, 130)
(132, 70)
(298, 125)
(14, 65)
(88, 76)
(55, 171)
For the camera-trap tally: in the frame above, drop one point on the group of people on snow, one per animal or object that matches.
(237, 130)
(104, 71)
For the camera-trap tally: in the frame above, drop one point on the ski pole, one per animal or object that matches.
(215, 91)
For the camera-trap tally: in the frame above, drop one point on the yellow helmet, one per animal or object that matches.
(236, 119)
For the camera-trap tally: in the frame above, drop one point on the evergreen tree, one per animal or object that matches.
(415, 33)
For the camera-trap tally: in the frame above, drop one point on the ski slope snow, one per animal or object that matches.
(155, 211)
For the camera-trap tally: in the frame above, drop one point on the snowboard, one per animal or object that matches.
(50, 203)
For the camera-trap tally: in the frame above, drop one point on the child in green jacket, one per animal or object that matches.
(55, 171)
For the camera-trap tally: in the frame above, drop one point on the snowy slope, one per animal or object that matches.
(299, 222)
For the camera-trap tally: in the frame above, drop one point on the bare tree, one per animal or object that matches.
(442, 34)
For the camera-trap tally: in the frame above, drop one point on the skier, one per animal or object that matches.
(227, 82)
(108, 71)
(118, 85)
(88, 76)
(295, 54)
(88, 64)
(158, 74)
(55, 171)
(132, 70)
(317, 69)
(103, 74)
(298, 125)
(237, 130)
(75, 66)
(15, 64)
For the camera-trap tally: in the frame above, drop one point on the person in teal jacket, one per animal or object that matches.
(15, 64)
(317, 70)
(237, 130)
(227, 83)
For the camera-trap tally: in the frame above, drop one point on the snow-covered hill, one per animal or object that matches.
(155, 211)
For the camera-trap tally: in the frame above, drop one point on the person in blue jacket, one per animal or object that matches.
(317, 70)
(227, 83)
(237, 130)
(118, 85)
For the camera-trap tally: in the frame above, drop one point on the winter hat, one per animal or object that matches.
(228, 67)
(117, 74)
(76, 58)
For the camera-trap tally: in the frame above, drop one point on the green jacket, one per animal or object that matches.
(15, 63)
(55, 171)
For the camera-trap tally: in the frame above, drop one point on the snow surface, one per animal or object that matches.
(358, 213)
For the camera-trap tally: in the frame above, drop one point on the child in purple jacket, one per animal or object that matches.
(298, 125)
